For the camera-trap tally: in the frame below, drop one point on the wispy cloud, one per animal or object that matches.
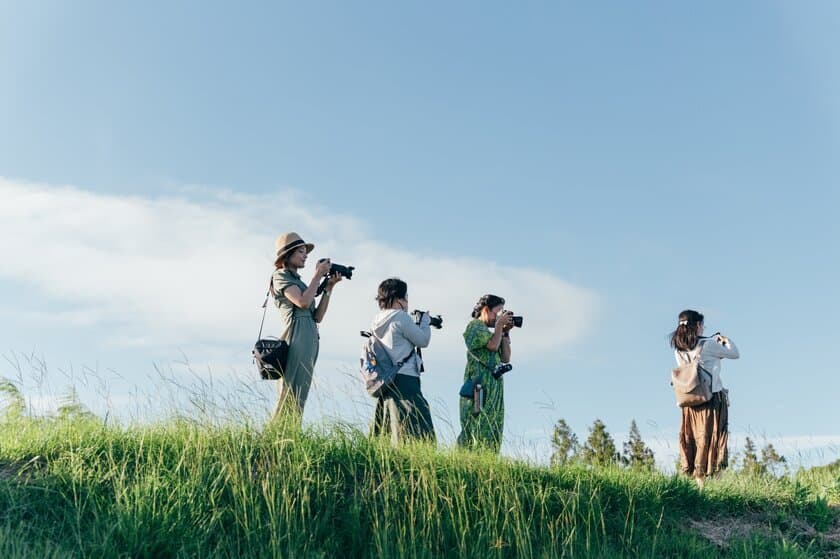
(187, 273)
(181, 270)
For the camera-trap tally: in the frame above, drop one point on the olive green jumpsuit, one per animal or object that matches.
(301, 333)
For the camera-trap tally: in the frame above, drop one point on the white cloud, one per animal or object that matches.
(177, 271)
(189, 272)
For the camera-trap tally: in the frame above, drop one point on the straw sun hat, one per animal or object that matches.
(287, 242)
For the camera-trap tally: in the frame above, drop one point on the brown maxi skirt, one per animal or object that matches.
(704, 434)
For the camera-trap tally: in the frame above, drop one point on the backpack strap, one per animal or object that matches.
(403, 361)
(698, 347)
(700, 366)
(700, 350)
(699, 362)
(398, 364)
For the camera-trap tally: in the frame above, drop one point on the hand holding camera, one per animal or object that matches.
(504, 320)
(322, 268)
(332, 273)
(507, 320)
(435, 321)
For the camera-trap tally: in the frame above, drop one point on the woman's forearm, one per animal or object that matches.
(321, 310)
(505, 349)
(495, 341)
(302, 299)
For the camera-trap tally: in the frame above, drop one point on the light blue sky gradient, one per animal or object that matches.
(659, 155)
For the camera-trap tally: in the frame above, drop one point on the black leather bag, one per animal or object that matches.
(270, 356)
(270, 353)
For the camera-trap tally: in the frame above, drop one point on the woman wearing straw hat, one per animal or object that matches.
(300, 315)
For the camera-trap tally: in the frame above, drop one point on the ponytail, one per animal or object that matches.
(684, 338)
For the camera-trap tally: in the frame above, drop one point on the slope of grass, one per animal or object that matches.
(77, 488)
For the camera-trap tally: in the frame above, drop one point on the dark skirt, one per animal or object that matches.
(704, 435)
(403, 412)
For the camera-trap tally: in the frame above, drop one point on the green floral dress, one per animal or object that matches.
(485, 429)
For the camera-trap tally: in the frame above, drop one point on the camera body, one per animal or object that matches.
(517, 320)
(502, 369)
(435, 321)
(345, 271)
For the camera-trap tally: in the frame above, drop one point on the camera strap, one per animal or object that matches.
(480, 362)
(265, 304)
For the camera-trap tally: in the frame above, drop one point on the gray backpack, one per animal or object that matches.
(377, 368)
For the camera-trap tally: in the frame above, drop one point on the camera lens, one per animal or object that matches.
(434, 321)
(346, 271)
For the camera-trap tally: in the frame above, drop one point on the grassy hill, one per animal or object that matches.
(74, 487)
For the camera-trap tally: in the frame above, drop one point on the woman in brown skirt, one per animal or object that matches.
(704, 429)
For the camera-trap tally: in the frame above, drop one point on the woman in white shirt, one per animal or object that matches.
(704, 429)
(402, 410)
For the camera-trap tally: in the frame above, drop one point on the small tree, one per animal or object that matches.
(599, 449)
(72, 408)
(636, 454)
(12, 401)
(771, 461)
(564, 442)
(750, 464)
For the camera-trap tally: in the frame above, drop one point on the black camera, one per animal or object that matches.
(346, 271)
(517, 320)
(502, 369)
(436, 321)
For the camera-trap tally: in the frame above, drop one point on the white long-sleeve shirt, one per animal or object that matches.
(400, 335)
(711, 352)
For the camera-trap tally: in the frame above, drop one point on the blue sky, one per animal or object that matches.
(602, 166)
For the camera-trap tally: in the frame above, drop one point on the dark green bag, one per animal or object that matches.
(467, 389)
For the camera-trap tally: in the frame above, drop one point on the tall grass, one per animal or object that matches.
(75, 487)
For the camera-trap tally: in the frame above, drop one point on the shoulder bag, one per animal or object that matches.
(692, 383)
(270, 353)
